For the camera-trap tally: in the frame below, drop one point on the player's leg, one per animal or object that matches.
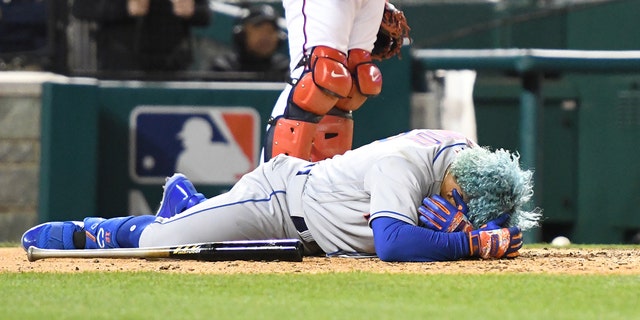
(91, 233)
(235, 215)
(317, 23)
(254, 209)
(222, 218)
(53, 235)
(179, 194)
(318, 42)
(123, 232)
(335, 132)
(366, 75)
(366, 25)
(324, 81)
(334, 135)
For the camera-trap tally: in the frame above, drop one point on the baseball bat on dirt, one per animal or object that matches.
(253, 250)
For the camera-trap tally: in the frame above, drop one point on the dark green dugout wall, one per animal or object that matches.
(584, 25)
(69, 151)
(85, 134)
(587, 173)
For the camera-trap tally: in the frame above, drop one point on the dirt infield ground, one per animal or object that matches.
(540, 260)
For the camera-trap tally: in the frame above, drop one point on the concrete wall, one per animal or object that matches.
(20, 104)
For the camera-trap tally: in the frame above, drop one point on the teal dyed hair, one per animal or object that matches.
(494, 183)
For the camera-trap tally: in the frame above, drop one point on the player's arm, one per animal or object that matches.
(395, 187)
(397, 240)
(395, 196)
(490, 241)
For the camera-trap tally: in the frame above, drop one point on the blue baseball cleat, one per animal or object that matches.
(52, 235)
(179, 195)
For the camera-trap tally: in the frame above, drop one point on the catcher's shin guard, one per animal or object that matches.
(290, 137)
(326, 80)
(334, 135)
(367, 80)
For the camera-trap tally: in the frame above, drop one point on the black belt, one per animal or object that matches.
(311, 247)
(301, 226)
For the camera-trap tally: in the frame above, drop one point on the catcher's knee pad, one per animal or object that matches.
(334, 135)
(290, 137)
(367, 80)
(327, 80)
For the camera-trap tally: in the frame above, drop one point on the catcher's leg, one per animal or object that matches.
(326, 80)
(334, 134)
(367, 80)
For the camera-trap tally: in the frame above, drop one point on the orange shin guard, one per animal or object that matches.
(334, 136)
(293, 138)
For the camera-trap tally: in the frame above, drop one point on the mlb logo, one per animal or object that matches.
(210, 145)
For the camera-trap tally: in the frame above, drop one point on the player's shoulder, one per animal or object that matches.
(439, 134)
(430, 137)
(398, 167)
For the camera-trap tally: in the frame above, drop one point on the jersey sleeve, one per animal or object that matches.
(396, 186)
(396, 240)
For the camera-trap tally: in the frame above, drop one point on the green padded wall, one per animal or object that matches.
(69, 151)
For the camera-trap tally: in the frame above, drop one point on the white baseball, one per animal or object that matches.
(560, 241)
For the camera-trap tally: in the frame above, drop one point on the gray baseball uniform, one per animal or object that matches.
(336, 197)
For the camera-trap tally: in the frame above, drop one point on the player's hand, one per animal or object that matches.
(438, 214)
(492, 241)
(497, 223)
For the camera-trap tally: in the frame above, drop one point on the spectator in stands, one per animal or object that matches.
(257, 38)
(23, 33)
(143, 35)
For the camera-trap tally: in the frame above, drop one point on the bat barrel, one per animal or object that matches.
(34, 253)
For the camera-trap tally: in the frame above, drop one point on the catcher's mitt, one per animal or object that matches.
(393, 30)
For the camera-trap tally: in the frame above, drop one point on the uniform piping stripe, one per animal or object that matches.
(445, 148)
(392, 212)
(232, 204)
(304, 27)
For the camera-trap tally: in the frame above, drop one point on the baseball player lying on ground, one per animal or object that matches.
(424, 195)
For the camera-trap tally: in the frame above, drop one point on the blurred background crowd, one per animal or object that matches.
(145, 39)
